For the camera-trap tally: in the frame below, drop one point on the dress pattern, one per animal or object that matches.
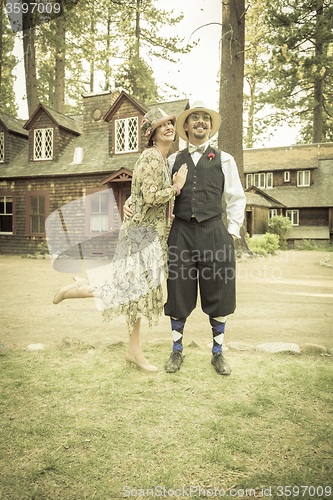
(140, 262)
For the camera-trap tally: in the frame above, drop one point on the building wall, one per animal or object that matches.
(60, 191)
(13, 143)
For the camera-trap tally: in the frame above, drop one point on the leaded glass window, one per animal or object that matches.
(126, 135)
(43, 144)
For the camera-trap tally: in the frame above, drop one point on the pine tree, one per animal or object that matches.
(255, 72)
(301, 66)
(7, 64)
(141, 28)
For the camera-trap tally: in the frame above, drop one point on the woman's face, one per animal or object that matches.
(164, 134)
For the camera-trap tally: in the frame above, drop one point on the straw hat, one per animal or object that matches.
(197, 106)
(153, 119)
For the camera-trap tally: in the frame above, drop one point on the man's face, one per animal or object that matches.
(198, 126)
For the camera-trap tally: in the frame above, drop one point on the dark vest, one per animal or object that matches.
(201, 195)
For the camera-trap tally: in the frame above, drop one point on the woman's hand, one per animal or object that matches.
(179, 177)
(128, 212)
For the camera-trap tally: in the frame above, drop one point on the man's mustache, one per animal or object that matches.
(201, 125)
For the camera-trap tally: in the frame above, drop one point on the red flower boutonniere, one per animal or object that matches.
(211, 156)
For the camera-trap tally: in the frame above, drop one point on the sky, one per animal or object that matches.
(196, 75)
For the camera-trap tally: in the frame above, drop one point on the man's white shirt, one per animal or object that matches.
(233, 189)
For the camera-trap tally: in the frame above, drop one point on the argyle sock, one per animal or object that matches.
(177, 326)
(218, 326)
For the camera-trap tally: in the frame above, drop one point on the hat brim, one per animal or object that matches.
(165, 119)
(216, 121)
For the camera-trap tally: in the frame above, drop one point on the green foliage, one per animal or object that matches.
(301, 39)
(255, 70)
(267, 244)
(281, 226)
(136, 78)
(8, 62)
(108, 42)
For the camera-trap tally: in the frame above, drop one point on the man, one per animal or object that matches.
(201, 250)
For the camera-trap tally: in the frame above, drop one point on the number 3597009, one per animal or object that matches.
(33, 7)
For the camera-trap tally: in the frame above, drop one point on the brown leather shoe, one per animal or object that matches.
(220, 364)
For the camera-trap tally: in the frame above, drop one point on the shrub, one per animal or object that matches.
(268, 243)
(281, 226)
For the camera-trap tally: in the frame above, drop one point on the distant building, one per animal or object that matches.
(296, 182)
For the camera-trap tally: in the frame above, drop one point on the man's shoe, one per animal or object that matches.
(174, 362)
(220, 364)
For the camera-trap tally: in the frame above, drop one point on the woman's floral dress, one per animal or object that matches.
(140, 261)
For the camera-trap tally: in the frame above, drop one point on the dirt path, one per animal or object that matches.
(285, 298)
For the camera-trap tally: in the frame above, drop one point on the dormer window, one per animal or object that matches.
(303, 178)
(2, 147)
(43, 144)
(126, 135)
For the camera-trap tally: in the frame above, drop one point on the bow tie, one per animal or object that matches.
(200, 149)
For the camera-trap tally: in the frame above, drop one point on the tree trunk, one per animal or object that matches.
(30, 61)
(250, 122)
(137, 46)
(317, 131)
(1, 25)
(230, 138)
(107, 62)
(59, 79)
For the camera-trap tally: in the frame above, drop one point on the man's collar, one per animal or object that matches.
(205, 145)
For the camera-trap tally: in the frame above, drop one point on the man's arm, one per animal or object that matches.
(234, 195)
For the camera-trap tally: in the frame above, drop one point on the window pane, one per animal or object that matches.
(306, 178)
(9, 205)
(41, 205)
(104, 202)
(33, 224)
(300, 178)
(33, 205)
(120, 135)
(48, 143)
(2, 147)
(256, 180)
(6, 225)
(262, 180)
(94, 203)
(38, 144)
(2, 204)
(132, 134)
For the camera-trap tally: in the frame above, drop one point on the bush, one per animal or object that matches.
(280, 225)
(269, 243)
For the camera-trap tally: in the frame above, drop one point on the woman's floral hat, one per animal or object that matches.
(153, 119)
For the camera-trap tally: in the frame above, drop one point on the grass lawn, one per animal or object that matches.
(76, 424)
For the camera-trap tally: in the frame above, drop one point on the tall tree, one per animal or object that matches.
(141, 30)
(230, 137)
(301, 66)
(30, 59)
(255, 72)
(7, 64)
(59, 71)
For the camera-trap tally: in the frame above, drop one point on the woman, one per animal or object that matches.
(152, 202)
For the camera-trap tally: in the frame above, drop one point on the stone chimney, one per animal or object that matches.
(95, 106)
